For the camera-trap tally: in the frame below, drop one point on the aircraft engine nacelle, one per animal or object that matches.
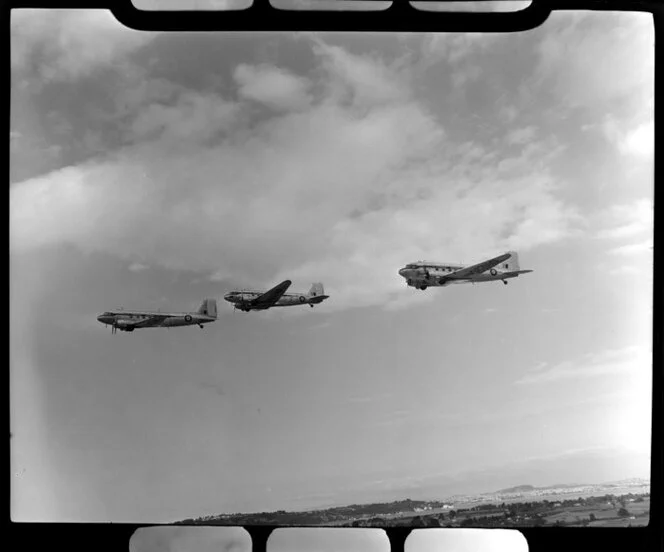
(124, 325)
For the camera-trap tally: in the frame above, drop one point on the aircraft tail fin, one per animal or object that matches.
(511, 264)
(316, 290)
(208, 307)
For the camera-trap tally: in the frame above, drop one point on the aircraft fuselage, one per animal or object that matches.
(423, 274)
(125, 320)
(286, 300)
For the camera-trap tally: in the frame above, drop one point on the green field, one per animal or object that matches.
(606, 515)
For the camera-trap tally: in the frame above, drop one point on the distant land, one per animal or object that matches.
(519, 489)
(525, 488)
(406, 510)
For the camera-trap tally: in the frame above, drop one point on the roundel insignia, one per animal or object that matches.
(493, 272)
(302, 299)
(187, 318)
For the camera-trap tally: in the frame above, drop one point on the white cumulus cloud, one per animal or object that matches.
(611, 361)
(343, 190)
(591, 58)
(272, 86)
(627, 220)
(66, 44)
(637, 141)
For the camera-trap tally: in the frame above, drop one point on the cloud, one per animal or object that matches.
(60, 45)
(363, 79)
(626, 220)
(454, 47)
(404, 300)
(640, 140)
(138, 267)
(632, 222)
(521, 135)
(637, 141)
(344, 189)
(195, 115)
(627, 270)
(507, 113)
(272, 86)
(589, 59)
(466, 74)
(610, 361)
(633, 248)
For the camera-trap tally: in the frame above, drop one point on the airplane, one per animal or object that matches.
(423, 274)
(128, 321)
(248, 300)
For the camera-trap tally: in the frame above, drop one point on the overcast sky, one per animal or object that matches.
(153, 170)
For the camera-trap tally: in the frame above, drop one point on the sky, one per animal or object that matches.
(150, 171)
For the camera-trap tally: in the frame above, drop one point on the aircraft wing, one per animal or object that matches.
(271, 296)
(150, 321)
(477, 268)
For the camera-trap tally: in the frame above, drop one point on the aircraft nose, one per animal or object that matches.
(104, 319)
(402, 272)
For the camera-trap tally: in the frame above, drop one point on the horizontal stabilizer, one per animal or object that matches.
(514, 273)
